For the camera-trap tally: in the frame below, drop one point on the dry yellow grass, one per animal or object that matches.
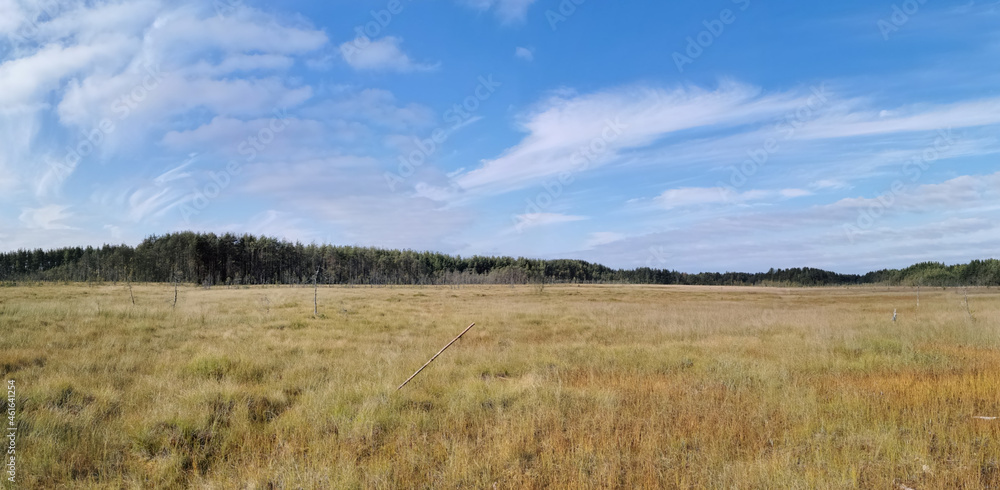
(579, 386)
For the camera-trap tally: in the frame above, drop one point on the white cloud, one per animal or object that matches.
(141, 65)
(758, 241)
(227, 135)
(91, 56)
(106, 44)
(439, 194)
(177, 173)
(376, 106)
(12, 17)
(51, 175)
(153, 201)
(602, 238)
(569, 133)
(284, 225)
(243, 63)
(932, 230)
(574, 133)
(524, 54)
(508, 11)
(116, 98)
(793, 193)
(689, 196)
(380, 55)
(65, 22)
(294, 179)
(27, 80)
(49, 217)
(845, 124)
(698, 196)
(966, 193)
(244, 30)
(952, 221)
(534, 220)
(19, 127)
(151, 68)
(834, 184)
(148, 200)
(348, 195)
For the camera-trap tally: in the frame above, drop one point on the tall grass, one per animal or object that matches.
(573, 386)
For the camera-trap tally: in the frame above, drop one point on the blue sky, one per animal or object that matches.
(699, 136)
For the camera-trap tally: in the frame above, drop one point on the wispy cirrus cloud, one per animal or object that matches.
(569, 132)
(508, 11)
(50, 217)
(966, 193)
(971, 113)
(385, 54)
(375, 106)
(699, 196)
(562, 129)
(536, 220)
(129, 68)
(602, 238)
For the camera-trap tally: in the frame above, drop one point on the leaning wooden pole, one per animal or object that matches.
(414, 375)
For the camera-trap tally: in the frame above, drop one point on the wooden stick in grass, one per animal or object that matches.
(414, 375)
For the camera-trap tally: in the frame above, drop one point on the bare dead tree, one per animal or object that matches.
(175, 289)
(967, 309)
(316, 293)
(128, 281)
(539, 283)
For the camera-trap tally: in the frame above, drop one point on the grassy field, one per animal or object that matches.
(573, 386)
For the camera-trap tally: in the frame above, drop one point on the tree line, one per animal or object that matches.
(229, 259)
